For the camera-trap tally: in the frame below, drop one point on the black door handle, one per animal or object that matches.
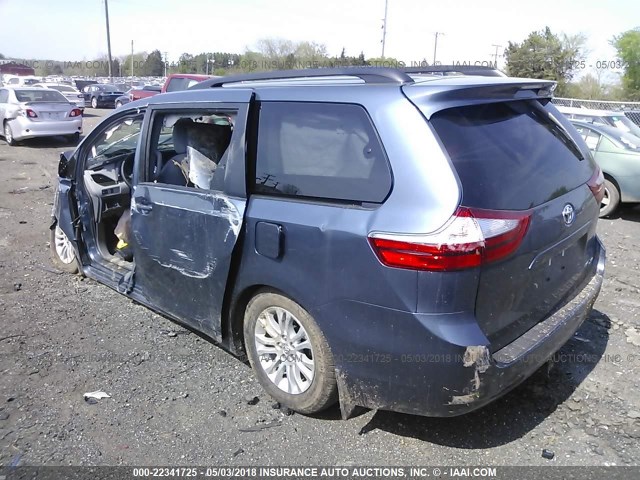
(142, 205)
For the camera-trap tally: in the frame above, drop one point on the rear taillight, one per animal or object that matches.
(596, 184)
(30, 113)
(76, 112)
(471, 238)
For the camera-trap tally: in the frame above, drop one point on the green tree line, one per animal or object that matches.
(546, 55)
(543, 54)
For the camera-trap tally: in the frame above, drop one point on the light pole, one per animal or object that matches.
(106, 14)
(131, 63)
(384, 26)
(435, 46)
(165, 64)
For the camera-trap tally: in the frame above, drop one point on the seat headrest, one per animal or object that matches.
(209, 139)
(180, 135)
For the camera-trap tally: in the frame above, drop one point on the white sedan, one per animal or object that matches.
(28, 112)
(72, 94)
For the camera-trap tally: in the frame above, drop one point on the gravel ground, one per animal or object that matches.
(177, 399)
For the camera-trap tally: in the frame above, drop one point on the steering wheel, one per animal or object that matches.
(126, 170)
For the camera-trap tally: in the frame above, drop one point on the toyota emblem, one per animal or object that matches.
(568, 214)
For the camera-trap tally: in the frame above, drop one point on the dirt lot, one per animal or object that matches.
(177, 399)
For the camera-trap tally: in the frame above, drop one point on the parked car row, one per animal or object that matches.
(614, 142)
(618, 154)
(601, 117)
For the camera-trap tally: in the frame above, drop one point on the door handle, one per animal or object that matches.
(142, 205)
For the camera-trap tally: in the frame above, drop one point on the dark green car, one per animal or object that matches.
(618, 154)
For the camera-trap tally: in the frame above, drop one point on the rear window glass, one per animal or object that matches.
(509, 156)
(43, 95)
(63, 88)
(108, 88)
(178, 83)
(320, 150)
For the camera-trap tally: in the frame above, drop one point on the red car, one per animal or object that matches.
(182, 81)
(144, 92)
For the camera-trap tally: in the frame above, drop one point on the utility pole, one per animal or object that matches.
(384, 26)
(495, 55)
(435, 46)
(106, 13)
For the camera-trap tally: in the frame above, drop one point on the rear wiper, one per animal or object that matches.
(564, 136)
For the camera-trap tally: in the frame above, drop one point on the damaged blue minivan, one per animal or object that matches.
(374, 237)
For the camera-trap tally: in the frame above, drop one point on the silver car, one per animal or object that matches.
(29, 112)
(72, 94)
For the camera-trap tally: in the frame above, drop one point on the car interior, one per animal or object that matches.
(185, 151)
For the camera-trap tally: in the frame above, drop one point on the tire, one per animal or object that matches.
(74, 138)
(118, 104)
(8, 135)
(611, 199)
(62, 253)
(94, 102)
(305, 382)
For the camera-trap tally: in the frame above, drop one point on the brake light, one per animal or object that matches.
(30, 113)
(75, 112)
(471, 238)
(596, 184)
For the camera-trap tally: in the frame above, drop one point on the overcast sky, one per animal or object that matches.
(75, 29)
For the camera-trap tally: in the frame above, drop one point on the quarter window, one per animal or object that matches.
(320, 150)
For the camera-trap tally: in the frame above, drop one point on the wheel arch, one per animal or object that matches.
(612, 179)
(233, 327)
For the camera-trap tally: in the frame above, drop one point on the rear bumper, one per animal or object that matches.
(440, 365)
(24, 129)
(107, 101)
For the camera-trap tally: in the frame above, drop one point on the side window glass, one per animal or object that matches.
(320, 150)
(4, 96)
(117, 140)
(187, 147)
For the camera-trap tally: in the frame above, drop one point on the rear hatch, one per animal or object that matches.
(516, 157)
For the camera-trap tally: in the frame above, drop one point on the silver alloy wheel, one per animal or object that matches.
(8, 134)
(64, 249)
(284, 350)
(94, 102)
(606, 199)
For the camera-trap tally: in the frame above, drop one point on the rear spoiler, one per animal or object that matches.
(452, 92)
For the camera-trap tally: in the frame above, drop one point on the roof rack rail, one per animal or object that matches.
(479, 70)
(368, 74)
